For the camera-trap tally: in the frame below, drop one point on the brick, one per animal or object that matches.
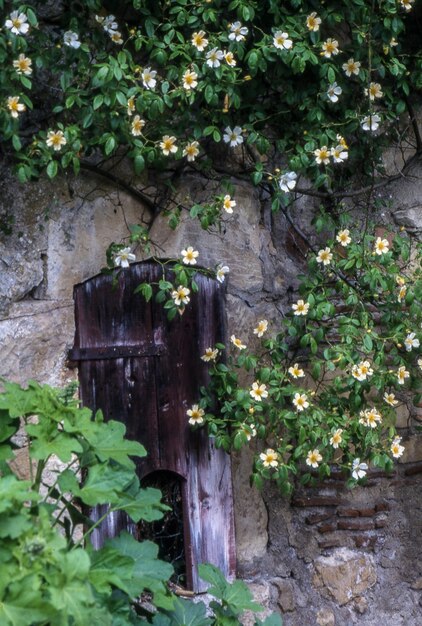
(365, 541)
(304, 501)
(344, 511)
(377, 473)
(355, 524)
(382, 506)
(327, 528)
(333, 542)
(367, 512)
(414, 469)
(316, 518)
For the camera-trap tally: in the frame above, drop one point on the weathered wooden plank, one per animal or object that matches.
(115, 352)
(109, 313)
(124, 389)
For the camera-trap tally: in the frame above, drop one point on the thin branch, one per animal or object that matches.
(414, 123)
(356, 192)
(122, 184)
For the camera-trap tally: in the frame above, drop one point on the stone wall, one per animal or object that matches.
(331, 556)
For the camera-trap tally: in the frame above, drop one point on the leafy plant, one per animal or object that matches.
(325, 387)
(49, 573)
(292, 85)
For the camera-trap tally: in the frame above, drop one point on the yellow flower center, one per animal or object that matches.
(56, 140)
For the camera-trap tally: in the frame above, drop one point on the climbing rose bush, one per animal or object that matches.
(325, 387)
(322, 84)
(303, 97)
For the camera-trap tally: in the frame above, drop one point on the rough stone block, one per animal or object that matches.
(381, 522)
(250, 513)
(325, 617)
(344, 575)
(261, 593)
(286, 594)
(412, 449)
(360, 605)
(417, 584)
(35, 339)
(77, 242)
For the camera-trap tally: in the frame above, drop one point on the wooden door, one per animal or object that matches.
(140, 368)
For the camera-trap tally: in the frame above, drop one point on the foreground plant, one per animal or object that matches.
(49, 573)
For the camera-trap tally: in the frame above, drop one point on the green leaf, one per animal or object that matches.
(14, 492)
(61, 444)
(98, 101)
(139, 163)
(108, 442)
(145, 504)
(75, 564)
(110, 145)
(73, 600)
(145, 289)
(17, 144)
(105, 483)
(236, 595)
(209, 93)
(109, 568)
(185, 613)
(52, 168)
(148, 571)
(12, 613)
(14, 525)
(367, 342)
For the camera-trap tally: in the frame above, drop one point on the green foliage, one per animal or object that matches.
(168, 80)
(177, 284)
(231, 600)
(325, 387)
(46, 575)
(55, 578)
